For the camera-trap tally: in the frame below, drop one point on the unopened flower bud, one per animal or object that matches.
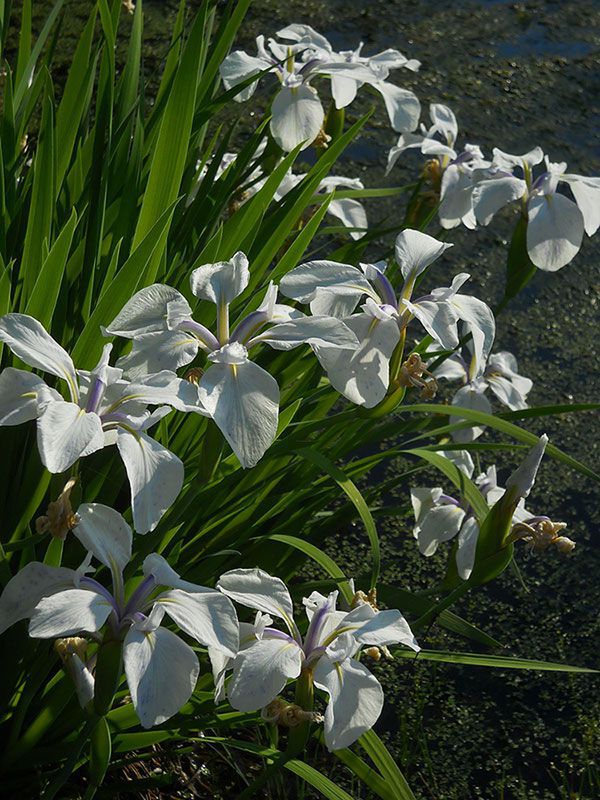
(60, 517)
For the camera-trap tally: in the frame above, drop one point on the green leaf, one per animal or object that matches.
(464, 484)
(500, 662)
(317, 555)
(380, 756)
(170, 152)
(316, 779)
(131, 277)
(519, 267)
(344, 482)
(44, 296)
(498, 424)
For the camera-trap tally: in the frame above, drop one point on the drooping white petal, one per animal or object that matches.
(296, 117)
(480, 322)
(146, 312)
(162, 387)
(243, 400)
(407, 141)
(25, 590)
(319, 331)
(402, 105)
(440, 524)
(343, 90)
(422, 501)
(456, 196)
(161, 671)
(506, 392)
(153, 352)
(69, 612)
(467, 545)
(586, 192)
(221, 282)
(105, 534)
(489, 196)
(554, 231)
(462, 459)
(452, 368)
(205, 614)
(155, 477)
(220, 663)
(19, 392)
(261, 671)
(65, 432)
(362, 373)
(355, 700)
(29, 340)
(438, 319)
(259, 590)
(472, 398)
(415, 251)
(384, 628)
(351, 213)
(237, 67)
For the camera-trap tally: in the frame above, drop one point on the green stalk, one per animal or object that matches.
(305, 696)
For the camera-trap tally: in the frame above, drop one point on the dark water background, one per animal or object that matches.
(517, 75)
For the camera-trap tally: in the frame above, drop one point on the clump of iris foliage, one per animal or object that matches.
(197, 372)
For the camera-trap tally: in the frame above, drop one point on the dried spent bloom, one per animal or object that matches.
(411, 374)
(288, 715)
(540, 533)
(60, 517)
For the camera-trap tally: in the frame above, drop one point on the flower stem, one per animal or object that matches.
(305, 695)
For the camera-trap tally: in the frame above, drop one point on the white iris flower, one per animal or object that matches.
(297, 113)
(362, 375)
(269, 657)
(103, 409)
(161, 669)
(555, 223)
(500, 374)
(456, 170)
(440, 517)
(241, 397)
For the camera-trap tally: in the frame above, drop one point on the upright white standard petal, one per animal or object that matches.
(489, 196)
(467, 545)
(415, 251)
(19, 392)
(402, 105)
(25, 590)
(258, 590)
(65, 432)
(471, 397)
(554, 231)
(480, 322)
(155, 477)
(161, 671)
(222, 282)
(29, 340)
(355, 700)
(205, 614)
(243, 400)
(509, 161)
(146, 311)
(69, 612)
(261, 671)
(362, 374)
(444, 121)
(104, 533)
(296, 117)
